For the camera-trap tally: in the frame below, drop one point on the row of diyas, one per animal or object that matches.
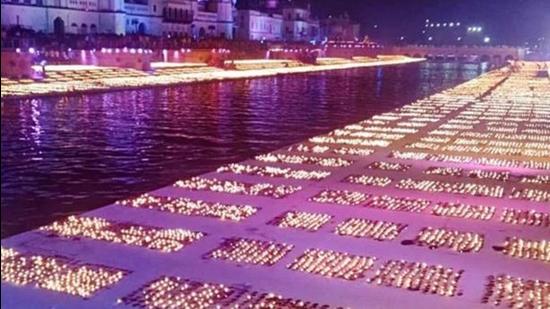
(57, 273)
(164, 240)
(236, 187)
(516, 292)
(145, 80)
(273, 171)
(251, 251)
(372, 229)
(175, 292)
(302, 220)
(453, 239)
(190, 207)
(301, 159)
(232, 212)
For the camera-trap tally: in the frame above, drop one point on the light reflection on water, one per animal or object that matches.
(65, 155)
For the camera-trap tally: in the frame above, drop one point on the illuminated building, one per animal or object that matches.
(196, 18)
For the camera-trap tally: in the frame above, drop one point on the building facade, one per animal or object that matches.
(257, 25)
(339, 28)
(271, 20)
(194, 18)
(298, 23)
(275, 20)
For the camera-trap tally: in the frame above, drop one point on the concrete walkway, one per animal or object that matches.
(432, 205)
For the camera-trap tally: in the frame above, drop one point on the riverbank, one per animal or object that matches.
(32, 89)
(432, 204)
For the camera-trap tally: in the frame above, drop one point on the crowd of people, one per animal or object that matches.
(18, 37)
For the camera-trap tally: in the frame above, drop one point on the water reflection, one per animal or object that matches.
(70, 154)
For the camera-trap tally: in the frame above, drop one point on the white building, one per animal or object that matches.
(339, 28)
(258, 25)
(198, 18)
(273, 20)
(298, 24)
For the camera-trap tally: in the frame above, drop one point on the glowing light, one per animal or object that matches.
(57, 273)
(372, 229)
(250, 251)
(301, 220)
(165, 240)
(189, 207)
(429, 279)
(513, 292)
(333, 264)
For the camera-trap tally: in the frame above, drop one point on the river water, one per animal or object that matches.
(66, 155)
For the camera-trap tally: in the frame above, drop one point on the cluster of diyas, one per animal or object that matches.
(493, 175)
(79, 78)
(333, 264)
(299, 159)
(455, 240)
(444, 171)
(308, 148)
(353, 151)
(415, 155)
(130, 78)
(465, 211)
(536, 179)
(530, 194)
(251, 251)
(189, 207)
(165, 240)
(525, 217)
(456, 127)
(398, 203)
(462, 188)
(369, 180)
(236, 187)
(176, 292)
(415, 276)
(435, 139)
(57, 273)
(350, 141)
(409, 155)
(499, 150)
(389, 166)
(301, 220)
(273, 171)
(382, 126)
(373, 229)
(515, 292)
(366, 134)
(411, 124)
(340, 197)
(424, 146)
(538, 250)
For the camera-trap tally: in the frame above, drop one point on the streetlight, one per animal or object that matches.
(486, 40)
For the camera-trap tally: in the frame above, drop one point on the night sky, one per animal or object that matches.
(506, 21)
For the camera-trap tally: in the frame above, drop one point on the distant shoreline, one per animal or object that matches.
(111, 84)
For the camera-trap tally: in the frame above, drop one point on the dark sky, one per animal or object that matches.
(506, 21)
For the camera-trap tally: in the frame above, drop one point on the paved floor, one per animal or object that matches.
(443, 203)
